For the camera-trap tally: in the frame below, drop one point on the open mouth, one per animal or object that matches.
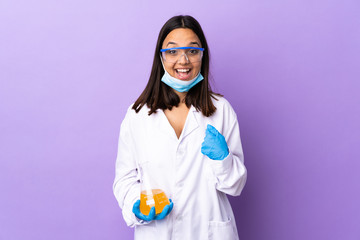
(183, 73)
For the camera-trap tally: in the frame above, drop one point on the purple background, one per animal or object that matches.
(69, 69)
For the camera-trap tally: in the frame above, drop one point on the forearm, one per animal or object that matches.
(127, 190)
(229, 174)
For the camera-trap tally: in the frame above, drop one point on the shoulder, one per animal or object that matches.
(132, 119)
(223, 107)
(220, 101)
(132, 114)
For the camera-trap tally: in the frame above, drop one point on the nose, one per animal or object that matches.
(183, 59)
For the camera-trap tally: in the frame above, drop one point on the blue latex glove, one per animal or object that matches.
(136, 210)
(214, 145)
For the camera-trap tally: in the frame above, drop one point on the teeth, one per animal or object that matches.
(183, 70)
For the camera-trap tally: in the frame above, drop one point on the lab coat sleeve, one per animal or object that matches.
(126, 187)
(230, 173)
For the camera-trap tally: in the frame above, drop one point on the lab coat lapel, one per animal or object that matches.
(191, 122)
(162, 123)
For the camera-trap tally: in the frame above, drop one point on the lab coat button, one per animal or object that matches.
(179, 218)
(180, 184)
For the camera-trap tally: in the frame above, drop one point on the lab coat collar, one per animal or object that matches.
(191, 124)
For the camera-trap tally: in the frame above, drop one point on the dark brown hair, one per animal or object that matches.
(158, 95)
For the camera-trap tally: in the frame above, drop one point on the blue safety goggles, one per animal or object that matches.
(166, 49)
(192, 54)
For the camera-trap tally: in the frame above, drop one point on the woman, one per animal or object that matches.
(188, 138)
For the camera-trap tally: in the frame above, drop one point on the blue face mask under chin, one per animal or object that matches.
(177, 84)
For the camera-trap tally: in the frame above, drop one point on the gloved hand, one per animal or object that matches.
(136, 210)
(214, 145)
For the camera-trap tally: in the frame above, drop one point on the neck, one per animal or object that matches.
(181, 95)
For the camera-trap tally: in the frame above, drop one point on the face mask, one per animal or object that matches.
(180, 85)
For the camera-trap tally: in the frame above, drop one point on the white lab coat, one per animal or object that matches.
(196, 184)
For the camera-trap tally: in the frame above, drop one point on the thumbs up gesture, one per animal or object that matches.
(214, 145)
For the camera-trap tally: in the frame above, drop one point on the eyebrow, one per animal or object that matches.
(191, 43)
(170, 43)
(195, 43)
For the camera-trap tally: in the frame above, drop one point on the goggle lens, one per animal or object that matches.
(172, 55)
